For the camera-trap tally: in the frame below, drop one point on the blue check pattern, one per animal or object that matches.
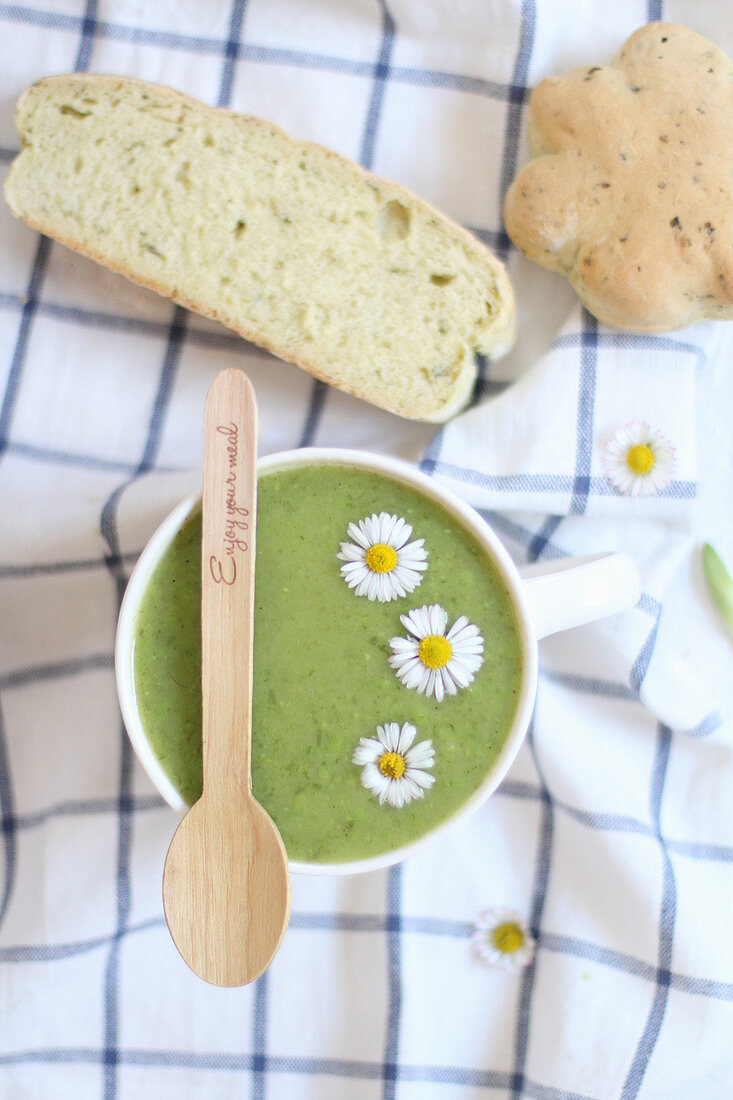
(375, 993)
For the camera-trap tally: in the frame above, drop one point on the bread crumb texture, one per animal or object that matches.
(289, 244)
(630, 191)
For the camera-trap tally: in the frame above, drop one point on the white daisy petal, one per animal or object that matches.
(391, 738)
(416, 622)
(407, 735)
(423, 680)
(362, 588)
(401, 578)
(422, 778)
(381, 737)
(449, 684)
(435, 685)
(460, 674)
(401, 534)
(351, 553)
(471, 661)
(414, 546)
(468, 632)
(438, 618)
(383, 592)
(633, 433)
(421, 619)
(420, 755)
(658, 478)
(396, 794)
(415, 679)
(416, 676)
(405, 580)
(398, 665)
(411, 788)
(415, 554)
(352, 568)
(458, 626)
(350, 571)
(372, 589)
(412, 572)
(408, 675)
(413, 651)
(367, 751)
(462, 632)
(386, 791)
(356, 534)
(387, 526)
(373, 780)
(373, 529)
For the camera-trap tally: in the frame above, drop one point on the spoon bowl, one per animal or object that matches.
(226, 890)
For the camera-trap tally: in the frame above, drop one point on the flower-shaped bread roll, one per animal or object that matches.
(631, 191)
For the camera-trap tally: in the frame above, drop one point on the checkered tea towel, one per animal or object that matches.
(608, 848)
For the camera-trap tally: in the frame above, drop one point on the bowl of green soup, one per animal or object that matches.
(395, 654)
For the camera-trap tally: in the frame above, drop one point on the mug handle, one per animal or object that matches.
(567, 593)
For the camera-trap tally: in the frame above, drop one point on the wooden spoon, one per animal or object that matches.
(226, 890)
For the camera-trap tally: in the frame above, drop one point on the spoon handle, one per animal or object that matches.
(227, 581)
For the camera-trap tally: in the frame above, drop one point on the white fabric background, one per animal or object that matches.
(612, 834)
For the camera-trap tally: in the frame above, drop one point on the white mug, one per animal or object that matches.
(547, 597)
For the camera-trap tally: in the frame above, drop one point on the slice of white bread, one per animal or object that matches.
(291, 245)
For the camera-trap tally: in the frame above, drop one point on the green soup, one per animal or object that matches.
(322, 678)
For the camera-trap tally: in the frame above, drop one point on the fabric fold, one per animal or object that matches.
(540, 444)
(536, 452)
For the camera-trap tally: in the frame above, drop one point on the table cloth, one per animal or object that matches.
(612, 835)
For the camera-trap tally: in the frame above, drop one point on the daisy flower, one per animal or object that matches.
(380, 562)
(432, 661)
(638, 460)
(501, 938)
(392, 767)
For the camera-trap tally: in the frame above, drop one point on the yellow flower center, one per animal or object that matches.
(508, 937)
(392, 764)
(435, 651)
(640, 459)
(381, 558)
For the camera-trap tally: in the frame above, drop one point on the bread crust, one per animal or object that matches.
(398, 401)
(630, 192)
